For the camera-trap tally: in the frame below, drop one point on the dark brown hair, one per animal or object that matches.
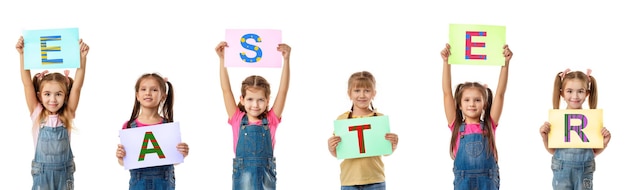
(167, 106)
(486, 118)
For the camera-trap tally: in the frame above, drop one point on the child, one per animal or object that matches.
(367, 173)
(52, 99)
(152, 95)
(473, 116)
(254, 124)
(573, 167)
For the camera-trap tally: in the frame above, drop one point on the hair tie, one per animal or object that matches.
(589, 74)
(67, 78)
(564, 73)
(40, 75)
(485, 85)
(165, 79)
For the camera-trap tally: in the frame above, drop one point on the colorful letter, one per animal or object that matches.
(578, 129)
(155, 146)
(359, 129)
(469, 44)
(254, 48)
(45, 49)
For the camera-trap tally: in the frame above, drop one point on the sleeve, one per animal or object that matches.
(124, 125)
(235, 120)
(272, 118)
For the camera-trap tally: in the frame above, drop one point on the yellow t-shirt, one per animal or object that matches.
(361, 171)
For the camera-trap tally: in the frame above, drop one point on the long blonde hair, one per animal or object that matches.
(588, 80)
(64, 115)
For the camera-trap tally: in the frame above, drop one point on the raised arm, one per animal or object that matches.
(27, 81)
(77, 86)
(448, 98)
(229, 99)
(498, 98)
(279, 103)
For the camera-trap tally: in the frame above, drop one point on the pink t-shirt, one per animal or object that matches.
(52, 121)
(235, 123)
(471, 128)
(140, 124)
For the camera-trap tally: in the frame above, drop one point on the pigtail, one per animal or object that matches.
(488, 132)
(556, 94)
(593, 92)
(458, 119)
(168, 106)
(36, 83)
(241, 107)
(134, 114)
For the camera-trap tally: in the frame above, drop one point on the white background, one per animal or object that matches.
(397, 41)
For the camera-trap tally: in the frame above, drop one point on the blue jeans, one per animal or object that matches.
(373, 186)
(153, 178)
(573, 169)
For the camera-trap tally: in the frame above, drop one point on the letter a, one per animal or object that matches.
(155, 147)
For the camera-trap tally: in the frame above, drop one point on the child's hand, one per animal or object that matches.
(220, 49)
(333, 142)
(20, 45)
(507, 54)
(393, 138)
(544, 130)
(183, 148)
(120, 151)
(607, 136)
(285, 49)
(445, 53)
(84, 48)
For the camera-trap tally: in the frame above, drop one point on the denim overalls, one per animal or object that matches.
(254, 165)
(152, 178)
(474, 166)
(573, 169)
(53, 167)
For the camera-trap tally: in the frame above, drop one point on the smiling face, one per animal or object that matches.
(52, 95)
(574, 93)
(254, 102)
(472, 104)
(149, 94)
(361, 97)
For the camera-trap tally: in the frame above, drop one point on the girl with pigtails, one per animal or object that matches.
(154, 105)
(573, 168)
(473, 113)
(52, 99)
